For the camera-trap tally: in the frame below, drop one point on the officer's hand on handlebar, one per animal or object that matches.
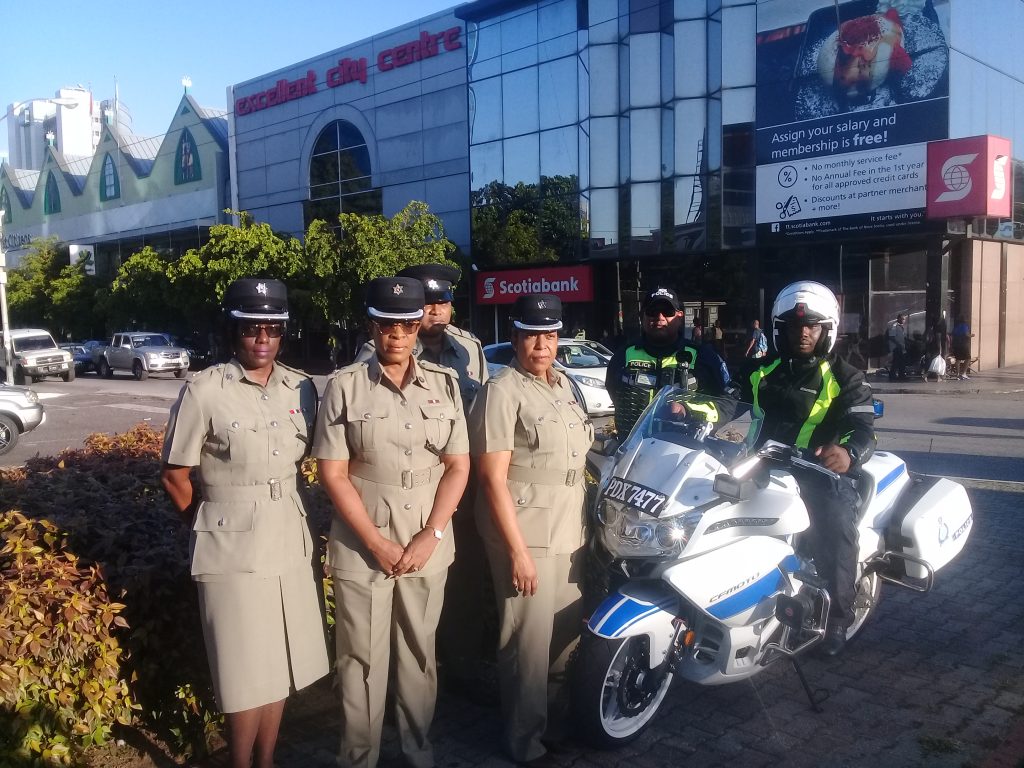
(834, 457)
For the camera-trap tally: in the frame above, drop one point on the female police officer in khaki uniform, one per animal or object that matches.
(531, 436)
(393, 454)
(247, 425)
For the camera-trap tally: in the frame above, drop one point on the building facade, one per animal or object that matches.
(726, 147)
(127, 193)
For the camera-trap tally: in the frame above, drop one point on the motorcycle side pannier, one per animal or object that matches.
(935, 527)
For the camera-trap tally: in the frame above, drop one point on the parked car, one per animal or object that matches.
(579, 359)
(36, 355)
(142, 353)
(81, 356)
(20, 411)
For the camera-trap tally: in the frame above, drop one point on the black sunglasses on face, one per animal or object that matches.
(388, 326)
(654, 312)
(252, 330)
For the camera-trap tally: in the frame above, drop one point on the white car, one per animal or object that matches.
(583, 361)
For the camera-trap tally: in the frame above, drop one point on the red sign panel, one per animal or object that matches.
(567, 283)
(969, 177)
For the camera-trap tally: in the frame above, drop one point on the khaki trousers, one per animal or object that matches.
(536, 636)
(377, 623)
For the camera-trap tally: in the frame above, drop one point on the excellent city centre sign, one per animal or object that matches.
(347, 70)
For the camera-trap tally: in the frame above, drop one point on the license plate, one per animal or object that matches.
(53, 368)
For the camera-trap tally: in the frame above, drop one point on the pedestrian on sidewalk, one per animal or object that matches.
(962, 347)
(897, 338)
(757, 342)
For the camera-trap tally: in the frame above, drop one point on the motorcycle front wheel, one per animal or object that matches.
(615, 693)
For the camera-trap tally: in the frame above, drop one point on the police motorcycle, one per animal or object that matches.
(703, 534)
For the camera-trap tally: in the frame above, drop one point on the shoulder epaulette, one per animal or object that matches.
(298, 371)
(429, 366)
(455, 330)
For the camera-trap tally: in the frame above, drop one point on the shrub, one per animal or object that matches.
(103, 507)
(60, 662)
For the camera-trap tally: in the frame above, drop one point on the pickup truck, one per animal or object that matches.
(142, 353)
(36, 355)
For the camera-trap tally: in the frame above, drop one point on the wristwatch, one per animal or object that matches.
(438, 533)
(854, 454)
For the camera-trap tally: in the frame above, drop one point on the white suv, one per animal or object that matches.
(37, 355)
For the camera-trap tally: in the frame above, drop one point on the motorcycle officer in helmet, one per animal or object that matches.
(807, 396)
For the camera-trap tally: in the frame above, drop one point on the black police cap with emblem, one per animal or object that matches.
(394, 298)
(437, 280)
(537, 312)
(663, 296)
(255, 298)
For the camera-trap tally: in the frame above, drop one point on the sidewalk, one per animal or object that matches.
(998, 381)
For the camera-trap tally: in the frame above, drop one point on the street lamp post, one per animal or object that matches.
(5, 325)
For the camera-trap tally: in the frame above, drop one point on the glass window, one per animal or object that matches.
(690, 123)
(738, 105)
(558, 150)
(51, 195)
(485, 110)
(645, 211)
(187, 167)
(645, 70)
(714, 55)
(713, 145)
(519, 40)
(604, 78)
(690, 59)
(557, 19)
(738, 63)
(604, 151)
(486, 163)
(522, 160)
(519, 102)
(689, 198)
(5, 206)
(558, 99)
(484, 50)
(110, 184)
(340, 175)
(604, 220)
(645, 145)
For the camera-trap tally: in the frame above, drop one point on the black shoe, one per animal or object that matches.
(834, 642)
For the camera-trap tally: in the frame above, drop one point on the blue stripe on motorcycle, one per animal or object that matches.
(619, 613)
(790, 564)
(889, 479)
(750, 596)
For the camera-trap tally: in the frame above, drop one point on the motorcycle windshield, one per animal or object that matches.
(716, 425)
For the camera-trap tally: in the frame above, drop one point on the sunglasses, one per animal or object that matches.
(652, 312)
(252, 330)
(389, 326)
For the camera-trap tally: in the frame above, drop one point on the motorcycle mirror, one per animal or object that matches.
(733, 488)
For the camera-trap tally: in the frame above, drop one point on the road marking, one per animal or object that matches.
(50, 395)
(134, 407)
(1015, 486)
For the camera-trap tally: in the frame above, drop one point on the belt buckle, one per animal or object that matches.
(275, 489)
(407, 479)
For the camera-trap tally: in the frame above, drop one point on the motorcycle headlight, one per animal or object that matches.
(626, 534)
(589, 381)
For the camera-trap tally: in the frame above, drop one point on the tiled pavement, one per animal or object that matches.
(936, 681)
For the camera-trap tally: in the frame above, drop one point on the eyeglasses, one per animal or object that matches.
(252, 330)
(389, 326)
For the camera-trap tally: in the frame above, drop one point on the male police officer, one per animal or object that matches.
(661, 358)
(809, 397)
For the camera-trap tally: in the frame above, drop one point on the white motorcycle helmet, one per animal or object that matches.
(805, 303)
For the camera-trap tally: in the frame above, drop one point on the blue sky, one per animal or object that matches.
(148, 46)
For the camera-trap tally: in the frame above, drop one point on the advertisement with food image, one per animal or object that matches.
(848, 95)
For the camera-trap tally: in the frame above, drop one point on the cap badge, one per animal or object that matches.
(261, 288)
(433, 284)
(542, 305)
(398, 290)
(663, 292)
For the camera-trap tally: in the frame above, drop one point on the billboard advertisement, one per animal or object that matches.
(970, 177)
(567, 283)
(848, 96)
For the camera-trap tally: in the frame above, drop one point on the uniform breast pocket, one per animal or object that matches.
(302, 429)
(241, 439)
(437, 423)
(365, 428)
(223, 539)
(548, 434)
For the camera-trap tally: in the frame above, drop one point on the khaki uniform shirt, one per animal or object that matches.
(247, 441)
(549, 435)
(389, 438)
(460, 350)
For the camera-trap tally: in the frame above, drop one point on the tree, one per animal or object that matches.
(142, 294)
(366, 247)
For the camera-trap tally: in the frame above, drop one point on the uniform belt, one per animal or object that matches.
(544, 476)
(272, 489)
(407, 478)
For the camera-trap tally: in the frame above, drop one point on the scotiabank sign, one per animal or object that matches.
(567, 283)
(970, 177)
(426, 46)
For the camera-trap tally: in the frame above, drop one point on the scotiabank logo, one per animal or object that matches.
(969, 177)
(568, 283)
